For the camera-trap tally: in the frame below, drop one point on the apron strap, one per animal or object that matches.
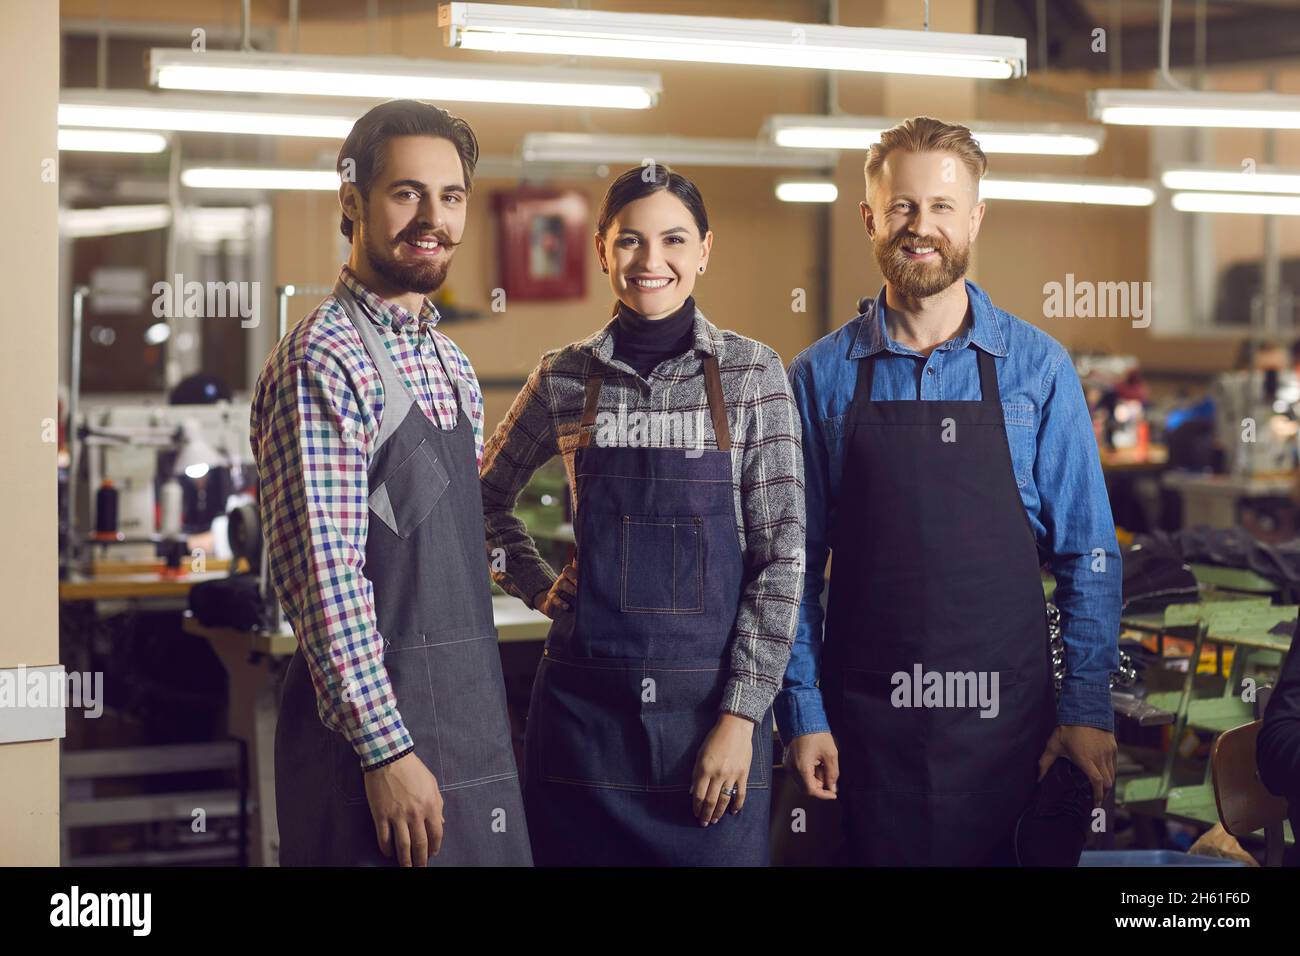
(988, 378)
(866, 375)
(712, 388)
(717, 407)
(398, 399)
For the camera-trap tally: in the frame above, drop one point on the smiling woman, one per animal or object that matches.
(650, 252)
(649, 731)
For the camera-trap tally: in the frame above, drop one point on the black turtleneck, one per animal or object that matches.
(643, 343)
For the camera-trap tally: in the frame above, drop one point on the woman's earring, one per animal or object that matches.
(701, 270)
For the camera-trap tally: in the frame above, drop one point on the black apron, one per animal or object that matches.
(631, 680)
(427, 565)
(935, 566)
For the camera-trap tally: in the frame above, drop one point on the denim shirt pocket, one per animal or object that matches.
(1020, 421)
(833, 429)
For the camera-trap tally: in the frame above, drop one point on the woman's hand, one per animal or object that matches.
(722, 764)
(559, 599)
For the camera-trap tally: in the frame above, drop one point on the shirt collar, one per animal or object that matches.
(985, 330)
(601, 342)
(387, 313)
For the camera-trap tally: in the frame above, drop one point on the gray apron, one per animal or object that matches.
(427, 564)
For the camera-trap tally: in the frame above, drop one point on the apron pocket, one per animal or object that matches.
(680, 719)
(878, 749)
(452, 699)
(589, 723)
(927, 749)
(662, 564)
(676, 738)
(598, 729)
(349, 779)
(409, 492)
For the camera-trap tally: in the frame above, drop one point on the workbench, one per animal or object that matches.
(254, 662)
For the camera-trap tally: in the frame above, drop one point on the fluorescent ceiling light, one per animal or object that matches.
(661, 37)
(1195, 108)
(670, 150)
(113, 220)
(1237, 203)
(809, 191)
(110, 141)
(1102, 192)
(213, 225)
(1232, 180)
(231, 177)
(178, 112)
(382, 78)
(327, 180)
(860, 132)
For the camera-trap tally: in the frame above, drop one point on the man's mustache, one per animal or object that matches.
(940, 245)
(442, 238)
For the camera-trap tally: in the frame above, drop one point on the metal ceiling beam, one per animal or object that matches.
(1251, 33)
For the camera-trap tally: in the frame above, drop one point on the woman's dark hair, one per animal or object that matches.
(639, 182)
(364, 147)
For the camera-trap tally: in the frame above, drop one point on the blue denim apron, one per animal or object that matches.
(631, 680)
(935, 564)
(433, 604)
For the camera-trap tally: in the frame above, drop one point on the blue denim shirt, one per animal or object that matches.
(1057, 469)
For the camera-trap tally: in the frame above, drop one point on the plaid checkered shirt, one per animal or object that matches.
(316, 413)
(767, 477)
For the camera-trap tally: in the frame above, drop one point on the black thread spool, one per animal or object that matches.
(106, 509)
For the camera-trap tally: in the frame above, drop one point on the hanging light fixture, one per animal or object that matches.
(381, 78)
(504, 28)
(860, 132)
(674, 150)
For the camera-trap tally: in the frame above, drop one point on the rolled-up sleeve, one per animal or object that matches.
(1076, 535)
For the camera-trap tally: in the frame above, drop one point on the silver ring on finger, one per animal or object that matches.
(730, 791)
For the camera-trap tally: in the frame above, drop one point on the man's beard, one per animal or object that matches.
(416, 276)
(920, 280)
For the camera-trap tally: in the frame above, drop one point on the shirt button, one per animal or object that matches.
(929, 371)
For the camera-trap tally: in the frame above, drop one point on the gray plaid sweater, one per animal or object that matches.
(767, 477)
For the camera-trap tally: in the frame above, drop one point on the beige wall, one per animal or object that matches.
(29, 772)
(765, 249)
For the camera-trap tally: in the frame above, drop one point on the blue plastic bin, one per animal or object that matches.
(1150, 858)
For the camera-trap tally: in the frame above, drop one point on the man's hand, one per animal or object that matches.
(407, 809)
(722, 763)
(1091, 750)
(559, 599)
(816, 759)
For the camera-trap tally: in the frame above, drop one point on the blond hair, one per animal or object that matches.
(924, 134)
